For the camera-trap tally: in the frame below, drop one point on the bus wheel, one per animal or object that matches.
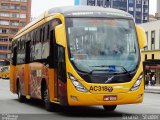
(21, 98)
(48, 104)
(109, 107)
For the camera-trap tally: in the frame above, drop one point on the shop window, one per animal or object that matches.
(152, 56)
(152, 40)
(145, 56)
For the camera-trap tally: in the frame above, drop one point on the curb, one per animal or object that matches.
(152, 91)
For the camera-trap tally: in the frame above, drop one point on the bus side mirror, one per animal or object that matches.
(141, 37)
(60, 35)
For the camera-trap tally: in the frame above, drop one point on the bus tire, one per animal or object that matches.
(109, 107)
(48, 104)
(21, 98)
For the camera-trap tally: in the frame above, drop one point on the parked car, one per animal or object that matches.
(5, 70)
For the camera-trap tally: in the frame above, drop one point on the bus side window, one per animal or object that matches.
(20, 51)
(27, 48)
(48, 29)
(32, 46)
(51, 51)
(14, 59)
(18, 44)
(41, 34)
(43, 37)
(36, 37)
(45, 43)
(38, 44)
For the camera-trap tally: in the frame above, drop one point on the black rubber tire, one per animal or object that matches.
(48, 104)
(21, 98)
(109, 107)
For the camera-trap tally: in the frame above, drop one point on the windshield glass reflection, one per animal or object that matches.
(97, 43)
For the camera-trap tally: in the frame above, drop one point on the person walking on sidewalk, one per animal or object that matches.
(153, 80)
(147, 78)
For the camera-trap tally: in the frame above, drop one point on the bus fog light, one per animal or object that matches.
(74, 98)
(139, 96)
(137, 83)
(77, 84)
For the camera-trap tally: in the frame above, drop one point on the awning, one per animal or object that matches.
(152, 67)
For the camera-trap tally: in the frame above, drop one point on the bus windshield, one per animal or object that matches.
(102, 44)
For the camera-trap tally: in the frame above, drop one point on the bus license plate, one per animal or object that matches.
(110, 97)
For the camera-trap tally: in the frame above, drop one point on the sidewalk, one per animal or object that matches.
(152, 89)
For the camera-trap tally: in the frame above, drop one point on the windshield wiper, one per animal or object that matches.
(126, 71)
(111, 66)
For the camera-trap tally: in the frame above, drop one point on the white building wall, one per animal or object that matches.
(83, 2)
(149, 27)
(158, 6)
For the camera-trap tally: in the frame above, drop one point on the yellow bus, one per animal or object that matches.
(79, 56)
(5, 71)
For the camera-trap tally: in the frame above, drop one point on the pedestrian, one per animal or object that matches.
(147, 78)
(153, 81)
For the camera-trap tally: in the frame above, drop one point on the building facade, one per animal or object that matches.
(157, 15)
(138, 8)
(14, 14)
(80, 2)
(158, 5)
(151, 54)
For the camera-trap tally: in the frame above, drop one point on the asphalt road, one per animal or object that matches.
(10, 108)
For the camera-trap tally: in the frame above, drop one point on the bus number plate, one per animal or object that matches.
(110, 97)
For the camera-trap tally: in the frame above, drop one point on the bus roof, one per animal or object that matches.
(71, 11)
(78, 11)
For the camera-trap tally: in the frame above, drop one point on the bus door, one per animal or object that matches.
(60, 79)
(53, 81)
(13, 71)
(27, 60)
(57, 63)
(61, 76)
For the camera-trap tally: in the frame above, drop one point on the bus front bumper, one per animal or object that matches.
(98, 99)
(76, 98)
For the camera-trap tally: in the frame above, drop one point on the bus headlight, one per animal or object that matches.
(137, 83)
(77, 84)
